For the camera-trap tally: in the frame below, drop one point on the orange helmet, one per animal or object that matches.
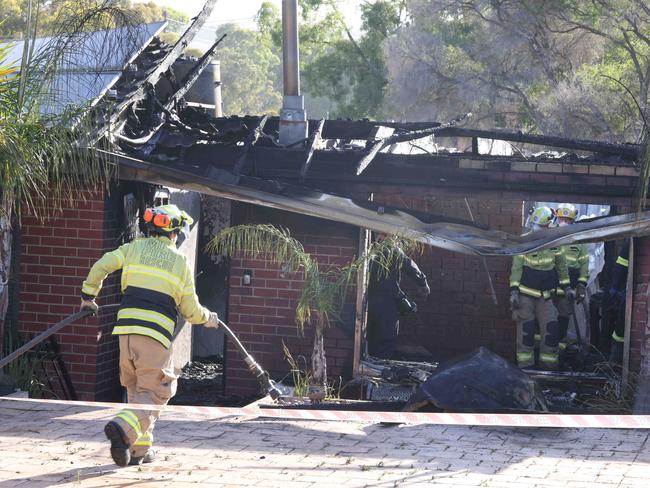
(166, 218)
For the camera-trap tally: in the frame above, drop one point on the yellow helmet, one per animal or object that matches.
(567, 211)
(167, 219)
(541, 216)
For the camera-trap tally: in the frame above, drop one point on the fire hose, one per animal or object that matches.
(261, 375)
(43, 335)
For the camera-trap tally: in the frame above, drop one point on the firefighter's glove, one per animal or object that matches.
(89, 305)
(570, 293)
(514, 300)
(213, 321)
(404, 305)
(581, 293)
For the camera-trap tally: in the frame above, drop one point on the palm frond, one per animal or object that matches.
(41, 128)
(259, 240)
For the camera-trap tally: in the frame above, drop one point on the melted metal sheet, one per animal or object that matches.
(445, 233)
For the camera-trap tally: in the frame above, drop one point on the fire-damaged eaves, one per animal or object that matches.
(442, 232)
(159, 139)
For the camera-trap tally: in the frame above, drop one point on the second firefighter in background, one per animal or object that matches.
(534, 279)
(577, 260)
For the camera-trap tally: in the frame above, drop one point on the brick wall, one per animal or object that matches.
(460, 314)
(262, 315)
(56, 254)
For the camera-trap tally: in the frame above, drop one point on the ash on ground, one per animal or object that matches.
(201, 383)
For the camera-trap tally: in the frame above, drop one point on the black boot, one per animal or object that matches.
(119, 443)
(149, 457)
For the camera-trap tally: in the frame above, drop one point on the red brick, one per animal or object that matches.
(277, 284)
(265, 292)
(91, 234)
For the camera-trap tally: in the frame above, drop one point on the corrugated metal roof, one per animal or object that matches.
(87, 68)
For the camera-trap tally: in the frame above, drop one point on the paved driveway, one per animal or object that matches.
(48, 445)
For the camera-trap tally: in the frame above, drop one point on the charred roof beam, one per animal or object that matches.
(381, 143)
(314, 141)
(160, 69)
(185, 85)
(251, 140)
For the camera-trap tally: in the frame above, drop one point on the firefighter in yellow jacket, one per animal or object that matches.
(577, 261)
(533, 281)
(156, 283)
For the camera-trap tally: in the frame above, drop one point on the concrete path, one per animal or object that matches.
(58, 445)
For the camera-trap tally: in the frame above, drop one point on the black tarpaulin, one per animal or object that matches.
(480, 381)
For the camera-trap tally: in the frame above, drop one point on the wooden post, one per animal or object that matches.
(361, 302)
(629, 299)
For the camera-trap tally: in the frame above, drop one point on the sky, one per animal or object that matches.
(239, 12)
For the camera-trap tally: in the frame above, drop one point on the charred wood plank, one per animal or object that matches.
(362, 129)
(162, 67)
(404, 137)
(185, 85)
(333, 129)
(314, 141)
(627, 150)
(251, 139)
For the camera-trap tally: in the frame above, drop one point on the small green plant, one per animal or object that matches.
(24, 370)
(300, 376)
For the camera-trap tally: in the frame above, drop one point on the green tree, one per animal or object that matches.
(41, 134)
(571, 67)
(342, 75)
(49, 14)
(250, 72)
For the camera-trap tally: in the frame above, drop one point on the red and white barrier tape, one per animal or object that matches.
(495, 420)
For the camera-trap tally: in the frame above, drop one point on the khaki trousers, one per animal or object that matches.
(536, 310)
(147, 373)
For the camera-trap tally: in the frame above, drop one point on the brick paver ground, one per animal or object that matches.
(48, 445)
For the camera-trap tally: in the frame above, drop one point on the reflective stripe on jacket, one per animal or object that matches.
(577, 261)
(539, 273)
(156, 281)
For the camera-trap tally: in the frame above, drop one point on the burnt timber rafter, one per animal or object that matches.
(163, 65)
(402, 137)
(251, 139)
(361, 130)
(185, 86)
(314, 141)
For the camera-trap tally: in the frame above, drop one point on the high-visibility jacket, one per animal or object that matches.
(577, 261)
(156, 282)
(538, 274)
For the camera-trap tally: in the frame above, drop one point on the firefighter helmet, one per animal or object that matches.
(541, 216)
(567, 211)
(166, 219)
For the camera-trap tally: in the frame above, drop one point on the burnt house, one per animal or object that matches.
(345, 177)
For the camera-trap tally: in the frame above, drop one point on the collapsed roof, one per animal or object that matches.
(158, 138)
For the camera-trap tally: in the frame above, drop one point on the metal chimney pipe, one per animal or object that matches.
(290, 55)
(293, 119)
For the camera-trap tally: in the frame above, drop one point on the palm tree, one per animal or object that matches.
(324, 290)
(41, 134)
